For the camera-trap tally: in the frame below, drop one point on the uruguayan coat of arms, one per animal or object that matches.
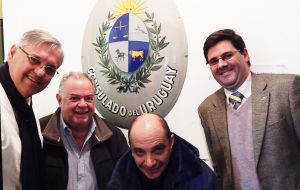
(128, 45)
(136, 52)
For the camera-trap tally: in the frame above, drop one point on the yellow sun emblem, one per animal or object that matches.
(129, 6)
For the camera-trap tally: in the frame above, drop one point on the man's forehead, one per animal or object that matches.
(147, 131)
(220, 47)
(148, 144)
(147, 122)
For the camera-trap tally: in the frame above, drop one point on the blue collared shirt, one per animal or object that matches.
(81, 170)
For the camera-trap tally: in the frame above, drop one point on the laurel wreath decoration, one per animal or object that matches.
(133, 82)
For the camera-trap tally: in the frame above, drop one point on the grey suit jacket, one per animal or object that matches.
(276, 131)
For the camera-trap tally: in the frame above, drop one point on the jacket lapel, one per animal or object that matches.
(52, 130)
(219, 117)
(260, 105)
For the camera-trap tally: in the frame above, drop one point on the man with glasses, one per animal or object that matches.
(30, 66)
(252, 123)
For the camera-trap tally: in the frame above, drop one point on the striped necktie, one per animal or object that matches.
(235, 99)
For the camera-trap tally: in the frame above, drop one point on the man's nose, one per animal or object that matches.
(150, 161)
(221, 63)
(82, 102)
(40, 70)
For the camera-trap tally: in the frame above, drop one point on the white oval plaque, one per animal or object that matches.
(136, 51)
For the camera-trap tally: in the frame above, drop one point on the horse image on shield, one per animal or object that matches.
(128, 43)
(131, 50)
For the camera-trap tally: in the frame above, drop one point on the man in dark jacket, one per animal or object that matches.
(160, 160)
(80, 148)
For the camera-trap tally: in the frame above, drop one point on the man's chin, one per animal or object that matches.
(152, 175)
(227, 83)
(82, 122)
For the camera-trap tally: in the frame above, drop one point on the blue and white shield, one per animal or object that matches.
(128, 42)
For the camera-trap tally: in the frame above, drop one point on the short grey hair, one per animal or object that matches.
(37, 37)
(76, 75)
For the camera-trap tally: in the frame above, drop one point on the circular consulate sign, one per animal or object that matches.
(136, 52)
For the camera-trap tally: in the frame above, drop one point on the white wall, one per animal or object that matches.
(270, 29)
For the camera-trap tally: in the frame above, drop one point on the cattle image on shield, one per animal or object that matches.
(129, 45)
(129, 42)
(137, 54)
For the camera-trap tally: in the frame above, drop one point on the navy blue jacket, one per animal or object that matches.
(185, 171)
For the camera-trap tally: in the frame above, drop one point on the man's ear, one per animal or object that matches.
(59, 99)
(245, 54)
(172, 140)
(11, 53)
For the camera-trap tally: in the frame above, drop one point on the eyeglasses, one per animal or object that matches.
(227, 56)
(49, 70)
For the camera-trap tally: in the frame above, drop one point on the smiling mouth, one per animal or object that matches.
(84, 112)
(81, 113)
(35, 81)
(225, 71)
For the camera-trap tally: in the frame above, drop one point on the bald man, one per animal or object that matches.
(159, 159)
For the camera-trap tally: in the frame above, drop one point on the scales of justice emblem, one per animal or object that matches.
(129, 45)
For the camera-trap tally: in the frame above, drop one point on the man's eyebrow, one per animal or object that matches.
(159, 146)
(137, 148)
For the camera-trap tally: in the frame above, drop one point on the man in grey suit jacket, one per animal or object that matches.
(253, 138)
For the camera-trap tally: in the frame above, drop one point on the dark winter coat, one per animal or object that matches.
(185, 171)
(108, 145)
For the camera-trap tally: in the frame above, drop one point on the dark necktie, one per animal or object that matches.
(236, 99)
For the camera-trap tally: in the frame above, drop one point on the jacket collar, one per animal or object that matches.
(218, 116)
(102, 131)
(260, 105)
(183, 165)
